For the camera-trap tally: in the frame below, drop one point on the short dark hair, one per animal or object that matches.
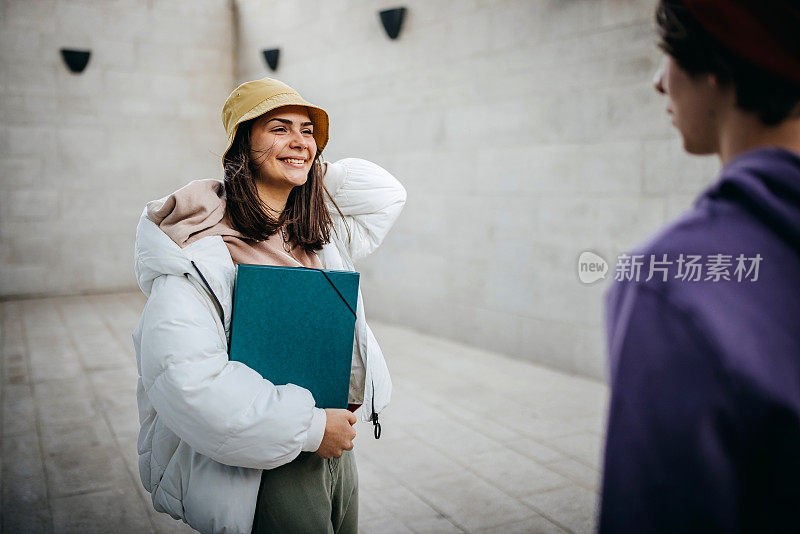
(306, 215)
(771, 98)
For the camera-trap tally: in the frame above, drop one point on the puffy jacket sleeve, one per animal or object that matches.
(221, 408)
(370, 199)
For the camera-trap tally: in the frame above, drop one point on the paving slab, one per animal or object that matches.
(535, 450)
(583, 446)
(533, 525)
(472, 503)
(514, 473)
(403, 504)
(85, 470)
(25, 503)
(580, 473)
(573, 507)
(77, 436)
(115, 510)
(18, 410)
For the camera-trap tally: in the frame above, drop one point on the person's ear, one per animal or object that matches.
(719, 83)
(723, 88)
(658, 77)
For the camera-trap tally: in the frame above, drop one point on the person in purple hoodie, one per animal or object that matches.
(703, 321)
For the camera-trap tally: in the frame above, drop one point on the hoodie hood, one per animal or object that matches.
(765, 182)
(168, 237)
(193, 211)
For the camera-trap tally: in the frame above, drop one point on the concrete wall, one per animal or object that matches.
(525, 132)
(81, 154)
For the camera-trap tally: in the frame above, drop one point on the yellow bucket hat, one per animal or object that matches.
(253, 99)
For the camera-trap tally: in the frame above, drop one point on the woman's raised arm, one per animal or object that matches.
(370, 199)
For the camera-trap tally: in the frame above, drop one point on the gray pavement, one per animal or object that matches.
(472, 442)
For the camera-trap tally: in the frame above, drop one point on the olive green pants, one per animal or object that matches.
(310, 495)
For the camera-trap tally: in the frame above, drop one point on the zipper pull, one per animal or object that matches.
(376, 426)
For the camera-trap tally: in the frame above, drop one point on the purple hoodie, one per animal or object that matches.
(704, 419)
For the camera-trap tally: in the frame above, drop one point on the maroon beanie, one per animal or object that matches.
(765, 32)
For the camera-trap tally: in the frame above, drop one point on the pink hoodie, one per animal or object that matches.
(198, 210)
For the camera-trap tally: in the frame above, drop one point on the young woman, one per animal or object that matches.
(220, 447)
(704, 419)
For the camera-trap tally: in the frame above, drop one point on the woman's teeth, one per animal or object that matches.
(294, 161)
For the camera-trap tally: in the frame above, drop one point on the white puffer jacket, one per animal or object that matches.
(210, 425)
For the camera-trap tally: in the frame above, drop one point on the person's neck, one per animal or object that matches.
(274, 198)
(742, 131)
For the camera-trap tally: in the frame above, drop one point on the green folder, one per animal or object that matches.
(296, 326)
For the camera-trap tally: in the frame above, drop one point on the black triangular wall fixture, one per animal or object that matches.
(392, 20)
(76, 60)
(271, 56)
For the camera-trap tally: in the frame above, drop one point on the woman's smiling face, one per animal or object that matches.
(282, 146)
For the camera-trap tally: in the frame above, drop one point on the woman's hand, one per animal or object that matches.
(339, 433)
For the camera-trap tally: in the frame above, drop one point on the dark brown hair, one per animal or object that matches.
(681, 36)
(307, 219)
